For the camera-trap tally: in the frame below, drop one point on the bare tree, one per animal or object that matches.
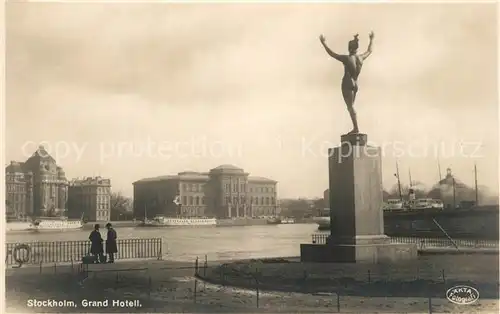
(120, 206)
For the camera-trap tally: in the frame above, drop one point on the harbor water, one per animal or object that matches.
(218, 243)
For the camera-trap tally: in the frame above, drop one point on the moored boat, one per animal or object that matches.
(59, 224)
(287, 221)
(162, 221)
(273, 221)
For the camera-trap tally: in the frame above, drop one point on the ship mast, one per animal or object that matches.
(409, 175)
(399, 181)
(439, 170)
(475, 185)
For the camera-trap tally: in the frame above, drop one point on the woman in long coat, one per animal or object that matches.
(96, 247)
(111, 247)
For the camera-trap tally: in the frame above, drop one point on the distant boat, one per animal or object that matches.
(323, 220)
(287, 221)
(44, 224)
(57, 224)
(161, 221)
(273, 221)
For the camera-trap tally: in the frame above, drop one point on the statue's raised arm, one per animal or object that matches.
(368, 51)
(332, 54)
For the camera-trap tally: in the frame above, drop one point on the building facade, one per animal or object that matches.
(36, 187)
(223, 192)
(90, 197)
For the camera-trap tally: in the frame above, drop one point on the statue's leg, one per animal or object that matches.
(349, 95)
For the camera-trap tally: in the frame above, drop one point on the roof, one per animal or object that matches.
(261, 179)
(157, 179)
(42, 153)
(227, 167)
(14, 167)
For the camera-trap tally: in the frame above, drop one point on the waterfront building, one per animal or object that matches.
(224, 192)
(90, 197)
(36, 187)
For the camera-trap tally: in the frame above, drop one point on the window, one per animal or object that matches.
(228, 200)
(251, 190)
(267, 200)
(235, 199)
(234, 187)
(185, 187)
(184, 200)
(273, 201)
(190, 200)
(193, 187)
(262, 200)
(203, 200)
(197, 200)
(242, 200)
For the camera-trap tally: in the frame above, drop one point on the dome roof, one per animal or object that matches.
(227, 167)
(14, 167)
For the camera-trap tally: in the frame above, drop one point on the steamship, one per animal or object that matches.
(176, 221)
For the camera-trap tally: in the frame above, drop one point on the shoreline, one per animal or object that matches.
(417, 279)
(169, 286)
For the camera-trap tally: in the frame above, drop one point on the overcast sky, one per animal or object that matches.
(250, 85)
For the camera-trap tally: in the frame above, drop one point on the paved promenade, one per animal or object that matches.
(172, 289)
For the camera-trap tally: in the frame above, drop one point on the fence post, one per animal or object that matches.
(257, 290)
(150, 287)
(430, 305)
(40, 266)
(55, 268)
(205, 267)
(442, 274)
(195, 287)
(338, 302)
(369, 276)
(196, 266)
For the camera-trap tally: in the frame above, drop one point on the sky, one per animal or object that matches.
(129, 91)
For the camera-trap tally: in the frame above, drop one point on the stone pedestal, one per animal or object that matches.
(356, 214)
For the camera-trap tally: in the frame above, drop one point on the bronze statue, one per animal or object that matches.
(352, 67)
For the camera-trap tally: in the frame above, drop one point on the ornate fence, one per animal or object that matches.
(320, 238)
(73, 251)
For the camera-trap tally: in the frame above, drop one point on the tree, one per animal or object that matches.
(121, 207)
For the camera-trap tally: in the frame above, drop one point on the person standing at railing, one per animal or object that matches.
(111, 247)
(96, 248)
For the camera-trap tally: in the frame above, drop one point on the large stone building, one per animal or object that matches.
(36, 187)
(223, 192)
(90, 197)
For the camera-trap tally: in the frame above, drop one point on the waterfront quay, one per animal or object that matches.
(257, 285)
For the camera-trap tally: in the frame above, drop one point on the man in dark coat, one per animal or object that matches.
(96, 248)
(111, 247)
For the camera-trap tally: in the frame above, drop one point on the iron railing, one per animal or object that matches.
(37, 252)
(320, 238)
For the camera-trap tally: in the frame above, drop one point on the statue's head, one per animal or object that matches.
(353, 44)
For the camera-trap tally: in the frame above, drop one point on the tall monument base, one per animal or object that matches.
(356, 213)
